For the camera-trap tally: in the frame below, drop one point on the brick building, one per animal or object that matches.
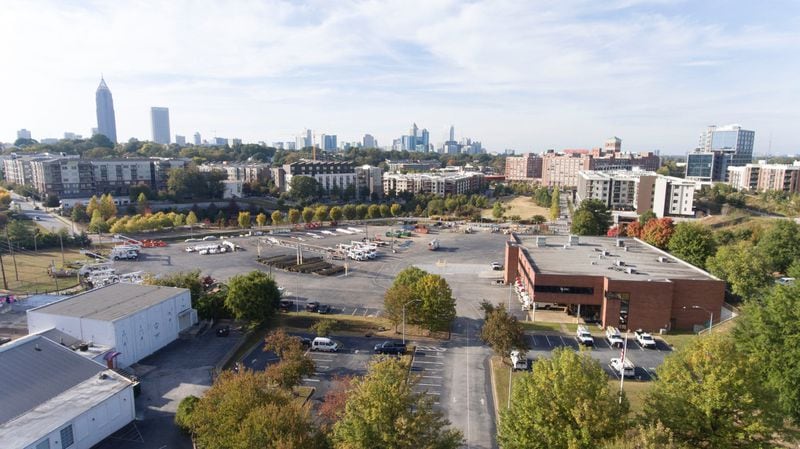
(523, 168)
(624, 283)
(561, 169)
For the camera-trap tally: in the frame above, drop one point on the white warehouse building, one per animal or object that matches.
(54, 398)
(133, 320)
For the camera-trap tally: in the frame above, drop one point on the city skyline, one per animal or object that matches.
(559, 76)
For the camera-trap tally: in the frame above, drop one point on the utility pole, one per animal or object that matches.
(3, 269)
(61, 240)
(14, 259)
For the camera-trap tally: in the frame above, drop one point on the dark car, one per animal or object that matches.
(286, 305)
(312, 306)
(305, 342)
(390, 347)
(224, 331)
(324, 309)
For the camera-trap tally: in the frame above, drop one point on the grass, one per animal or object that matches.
(30, 274)
(678, 340)
(344, 324)
(524, 206)
(500, 375)
(547, 326)
(634, 391)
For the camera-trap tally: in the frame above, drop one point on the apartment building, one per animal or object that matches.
(416, 166)
(330, 175)
(439, 184)
(247, 173)
(561, 169)
(674, 197)
(527, 167)
(762, 177)
(638, 191)
(17, 168)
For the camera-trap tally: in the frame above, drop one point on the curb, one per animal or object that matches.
(494, 393)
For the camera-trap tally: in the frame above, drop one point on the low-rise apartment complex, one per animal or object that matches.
(762, 177)
(527, 167)
(247, 173)
(332, 176)
(561, 169)
(638, 191)
(437, 183)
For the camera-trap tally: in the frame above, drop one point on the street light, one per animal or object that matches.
(404, 317)
(710, 315)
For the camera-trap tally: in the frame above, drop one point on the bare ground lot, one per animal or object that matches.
(520, 205)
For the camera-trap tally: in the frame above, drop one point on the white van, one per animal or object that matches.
(324, 344)
(518, 361)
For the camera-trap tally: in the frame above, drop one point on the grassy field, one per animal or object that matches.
(634, 391)
(30, 274)
(522, 206)
(500, 374)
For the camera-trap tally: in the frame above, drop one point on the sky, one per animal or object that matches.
(525, 75)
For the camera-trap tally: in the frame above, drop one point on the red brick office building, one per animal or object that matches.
(624, 283)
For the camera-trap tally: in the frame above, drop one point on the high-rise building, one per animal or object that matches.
(106, 120)
(425, 140)
(612, 145)
(180, 140)
(328, 142)
(159, 121)
(369, 141)
(763, 177)
(23, 134)
(708, 165)
(309, 139)
(72, 136)
(452, 133)
(197, 139)
(730, 139)
(523, 168)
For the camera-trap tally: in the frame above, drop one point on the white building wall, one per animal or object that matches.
(39, 322)
(94, 425)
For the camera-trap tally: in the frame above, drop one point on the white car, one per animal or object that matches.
(584, 336)
(496, 266)
(626, 368)
(518, 361)
(326, 232)
(209, 237)
(644, 339)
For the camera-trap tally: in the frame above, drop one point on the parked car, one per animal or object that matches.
(305, 342)
(223, 331)
(644, 339)
(37, 218)
(324, 344)
(496, 266)
(324, 309)
(390, 347)
(210, 237)
(518, 361)
(286, 305)
(626, 368)
(614, 338)
(584, 336)
(312, 306)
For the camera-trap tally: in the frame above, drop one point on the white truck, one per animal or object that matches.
(614, 338)
(623, 367)
(124, 252)
(518, 361)
(644, 339)
(584, 337)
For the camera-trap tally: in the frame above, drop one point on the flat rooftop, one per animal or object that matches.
(112, 302)
(587, 259)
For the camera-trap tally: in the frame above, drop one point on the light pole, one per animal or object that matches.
(404, 317)
(710, 315)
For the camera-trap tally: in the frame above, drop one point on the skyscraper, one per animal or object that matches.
(23, 134)
(729, 139)
(180, 140)
(452, 133)
(197, 139)
(159, 121)
(106, 121)
(369, 141)
(425, 140)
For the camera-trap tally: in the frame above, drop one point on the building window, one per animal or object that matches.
(67, 438)
(44, 444)
(563, 290)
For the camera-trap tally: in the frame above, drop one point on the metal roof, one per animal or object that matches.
(34, 370)
(112, 302)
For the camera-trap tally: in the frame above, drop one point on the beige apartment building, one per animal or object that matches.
(762, 177)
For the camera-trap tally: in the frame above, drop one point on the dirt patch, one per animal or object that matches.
(524, 206)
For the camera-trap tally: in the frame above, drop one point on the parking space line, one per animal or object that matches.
(562, 340)
(431, 377)
(430, 385)
(432, 363)
(433, 393)
(365, 312)
(355, 309)
(310, 380)
(323, 366)
(548, 340)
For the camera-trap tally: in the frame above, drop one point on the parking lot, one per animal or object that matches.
(645, 360)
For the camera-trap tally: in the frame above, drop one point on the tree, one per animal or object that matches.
(335, 402)
(374, 211)
(437, 307)
(19, 234)
(244, 220)
(220, 219)
(566, 402)
(555, 204)
(294, 216)
(191, 219)
(633, 229)
(183, 416)
(361, 211)
(303, 188)
(693, 242)
(767, 331)
(395, 210)
(780, 245)
(261, 219)
(742, 267)
(92, 206)
(178, 220)
(293, 365)
(245, 410)
(323, 328)
(538, 219)
(321, 213)
(349, 212)
(658, 232)
(79, 214)
(142, 205)
(252, 297)
(591, 218)
(503, 332)
(385, 211)
(336, 213)
(308, 215)
(652, 436)
(708, 395)
(52, 200)
(97, 224)
(646, 217)
(107, 207)
(277, 217)
(498, 210)
(189, 280)
(384, 411)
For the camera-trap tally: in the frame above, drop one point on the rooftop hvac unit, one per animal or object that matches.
(620, 243)
(626, 249)
(631, 270)
(662, 259)
(541, 242)
(566, 246)
(603, 253)
(574, 240)
(620, 263)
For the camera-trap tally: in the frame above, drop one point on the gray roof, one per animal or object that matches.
(586, 259)
(29, 377)
(111, 303)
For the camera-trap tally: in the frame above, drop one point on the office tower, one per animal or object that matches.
(159, 121)
(180, 140)
(23, 134)
(729, 139)
(220, 141)
(309, 139)
(236, 141)
(327, 142)
(452, 134)
(197, 139)
(106, 121)
(612, 145)
(425, 140)
(369, 141)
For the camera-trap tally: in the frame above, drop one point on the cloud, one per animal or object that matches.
(266, 69)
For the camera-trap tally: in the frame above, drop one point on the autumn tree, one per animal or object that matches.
(658, 232)
(361, 211)
(97, 224)
(349, 212)
(107, 207)
(693, 242)
(321, 213)
(308, 214)
(244, 220)
(651, 436)
(142, 205)
(335, 401)
(294, 216)
(633, 229)
(503, 332)
(384, 410)
(707, 395)
(374, 211)
(395, 210)
(261, 219)
(566, 402)
(191, 219)
(277, 217)
(336, 213)
(293, 364)
(385, 211)
(555, 204)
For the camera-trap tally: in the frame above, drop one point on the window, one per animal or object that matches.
(44, 444)
(563, 290)
(67, 438)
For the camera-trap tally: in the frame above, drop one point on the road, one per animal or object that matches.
(43, 218)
